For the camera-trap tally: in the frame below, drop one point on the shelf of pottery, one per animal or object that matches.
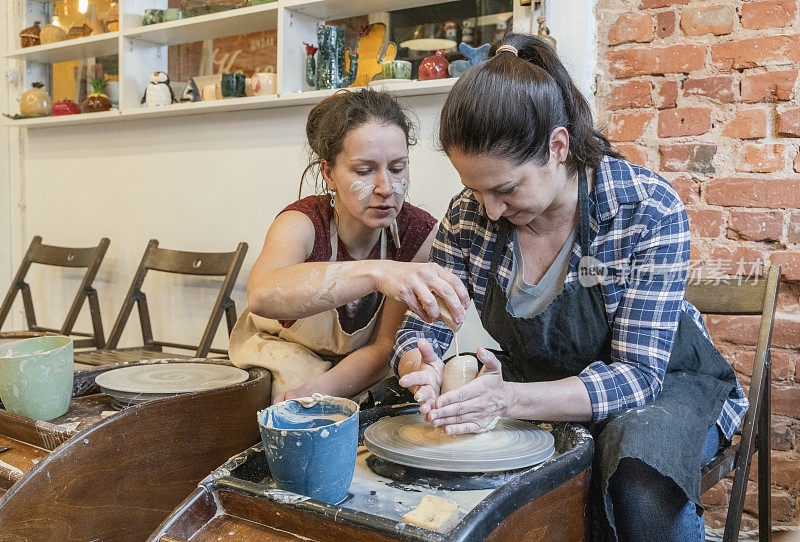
(311, 61)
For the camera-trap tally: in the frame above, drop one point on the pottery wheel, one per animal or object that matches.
(132, 385)
(512, 444)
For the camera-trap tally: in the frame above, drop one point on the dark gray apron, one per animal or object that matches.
(573, 332)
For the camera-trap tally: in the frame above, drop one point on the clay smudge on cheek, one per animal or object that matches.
(400, 187)
(363, 189)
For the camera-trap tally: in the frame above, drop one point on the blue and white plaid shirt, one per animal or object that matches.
(638, 222)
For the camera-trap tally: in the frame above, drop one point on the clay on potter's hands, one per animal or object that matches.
(459, 371)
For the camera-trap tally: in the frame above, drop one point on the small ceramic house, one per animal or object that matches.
(30, 36)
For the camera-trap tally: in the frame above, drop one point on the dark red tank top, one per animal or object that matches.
(413, 227)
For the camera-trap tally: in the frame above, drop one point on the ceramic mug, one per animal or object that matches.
(209, 92)
(232, 85)
(172, 14)
(264, 83)
(396, 69)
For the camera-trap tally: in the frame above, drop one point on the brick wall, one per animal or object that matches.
(706, 94)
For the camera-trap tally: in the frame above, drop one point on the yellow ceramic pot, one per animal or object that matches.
(51, 34)
(35, 101)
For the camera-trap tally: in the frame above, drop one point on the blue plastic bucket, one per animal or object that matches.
(312, 450)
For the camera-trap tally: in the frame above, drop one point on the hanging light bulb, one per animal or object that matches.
(83, 6)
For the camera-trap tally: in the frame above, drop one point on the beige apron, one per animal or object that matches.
(294, 355)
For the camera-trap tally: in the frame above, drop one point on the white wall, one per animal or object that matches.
(200, 182)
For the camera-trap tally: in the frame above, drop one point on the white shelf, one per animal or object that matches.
(412, 88)
(342, 9)
(203, 27)
(79, 48)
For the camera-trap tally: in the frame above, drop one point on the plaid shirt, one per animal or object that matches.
(641, 235)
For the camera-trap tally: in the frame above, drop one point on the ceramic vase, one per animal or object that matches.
(35, 101)
(325, 70)
(434, 67)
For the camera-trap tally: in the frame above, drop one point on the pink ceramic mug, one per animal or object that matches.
(264, 83)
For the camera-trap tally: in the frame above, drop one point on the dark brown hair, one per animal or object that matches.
(508, 106)
(334, 117)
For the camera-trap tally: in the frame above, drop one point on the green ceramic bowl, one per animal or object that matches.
(36, 376)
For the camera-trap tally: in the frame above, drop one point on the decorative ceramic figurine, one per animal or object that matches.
(190, 92)
(97, 100)
(450, 30)
(158, 91)
(97, 26)
(51, 34)
(30, 36)
(65, 107)
(371, 53)
(328, 71)
(474, 54)
(434, 67)
(79, 31)
(458, 67)
(35, 102)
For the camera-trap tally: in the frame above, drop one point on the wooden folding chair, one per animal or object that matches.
(221, 264)
(752, 297)
(39, 253)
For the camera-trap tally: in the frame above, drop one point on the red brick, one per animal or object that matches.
(797, 162)
(749, 124)
(786, 332)
(754, 52)
(786, 402)
(649, 60)
(742, 330)
(755, 158)
(768, 87)
(743, 359)
(768, 14)
(651, 4)
(718, 88)
(692, 157)
(771, 193)
(793, 236)
(789, 123)
(705, 222)
(781, 502)
(665, 24)
(783, 438)
(633, 153)
(684, 121)
(717, 495)
(631, 27)
(737, 260)
(696, 21)
(687, 189)
(755, 225)
(627, 126)
(790, 265)
(667, 94)
(630, 94)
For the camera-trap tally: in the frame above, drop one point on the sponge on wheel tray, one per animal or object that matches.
(434, 513)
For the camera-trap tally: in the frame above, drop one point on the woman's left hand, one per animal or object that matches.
(477, 406)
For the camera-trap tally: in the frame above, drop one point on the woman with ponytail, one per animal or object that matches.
(339, 269)
(577, 262)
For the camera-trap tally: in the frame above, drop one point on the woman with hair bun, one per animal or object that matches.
(577, 262)
(338, 270)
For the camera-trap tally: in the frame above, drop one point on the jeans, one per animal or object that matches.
(649, 506)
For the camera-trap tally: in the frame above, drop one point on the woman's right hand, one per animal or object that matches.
(426, 381)
(415, 285)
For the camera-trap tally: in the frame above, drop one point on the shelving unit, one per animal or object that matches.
(142, 50)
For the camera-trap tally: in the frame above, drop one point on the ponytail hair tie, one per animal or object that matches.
(509, 48)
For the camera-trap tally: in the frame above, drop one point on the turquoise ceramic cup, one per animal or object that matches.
(36, 376)
(312, 450)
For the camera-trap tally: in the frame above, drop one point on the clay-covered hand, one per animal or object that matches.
(290, 394)
(475, 407)
(426, 382)
(415, 285)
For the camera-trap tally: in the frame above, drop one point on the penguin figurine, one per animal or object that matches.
(158, 92)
